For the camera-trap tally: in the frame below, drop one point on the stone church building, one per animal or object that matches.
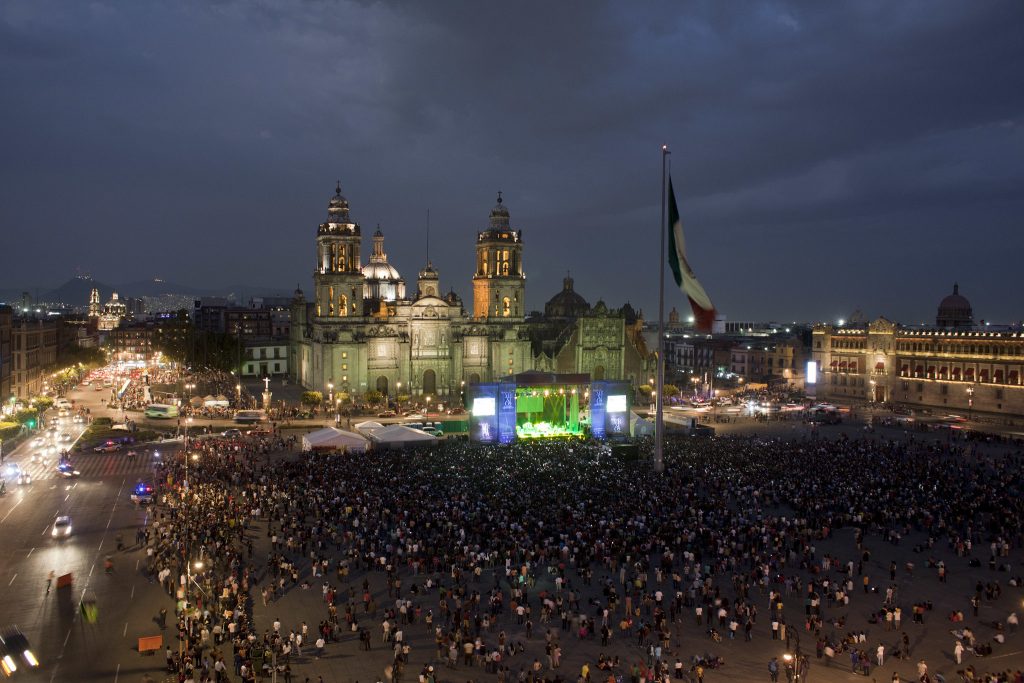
(364, 329)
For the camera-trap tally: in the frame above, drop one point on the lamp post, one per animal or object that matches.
(970, 402)
(398, 392)
(238, 392)
(330, 394)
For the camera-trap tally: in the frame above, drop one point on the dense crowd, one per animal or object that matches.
(501, 553)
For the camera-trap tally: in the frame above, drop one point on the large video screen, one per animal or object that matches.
(483, 406)
(617, 404)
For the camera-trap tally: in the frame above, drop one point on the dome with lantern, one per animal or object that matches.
(383, 282)
(955, 311)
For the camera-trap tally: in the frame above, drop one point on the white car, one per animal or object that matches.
(61, 527)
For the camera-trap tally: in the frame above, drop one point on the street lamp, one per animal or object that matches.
(970, 402)
(398, 392)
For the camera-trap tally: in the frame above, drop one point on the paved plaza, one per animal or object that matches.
(562, 530)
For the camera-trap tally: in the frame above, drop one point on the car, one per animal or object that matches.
(24, 479)
(414, 416)
(37, 442)
(12, 469)
(387, 413)
(142, 493)
(78, 419)
(61, 527)
(457, 411)
(14, 644)
(65, 469)
(433, 431)
(232, 433)
(108, 447)
(65, 437)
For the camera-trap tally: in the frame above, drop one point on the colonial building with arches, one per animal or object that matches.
(364, 330)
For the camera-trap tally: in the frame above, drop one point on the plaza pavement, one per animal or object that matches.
(344, 662)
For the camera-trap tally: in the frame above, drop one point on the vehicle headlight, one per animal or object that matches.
(8, 665)
(30, 658)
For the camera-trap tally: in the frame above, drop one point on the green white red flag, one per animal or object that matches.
(700, 302)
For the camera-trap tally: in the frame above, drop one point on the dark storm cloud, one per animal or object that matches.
(826, 155)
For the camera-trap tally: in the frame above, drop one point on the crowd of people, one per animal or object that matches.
(511, 561)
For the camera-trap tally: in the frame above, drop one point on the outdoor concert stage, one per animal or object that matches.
(542, 405)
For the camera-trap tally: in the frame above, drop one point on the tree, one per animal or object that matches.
(312, 398)
(373, 397)
(670, 389)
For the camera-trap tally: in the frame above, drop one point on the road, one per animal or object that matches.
(98, 502)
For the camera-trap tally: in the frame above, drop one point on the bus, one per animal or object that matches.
(161, 411)
(249, 416)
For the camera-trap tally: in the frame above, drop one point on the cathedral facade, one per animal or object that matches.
(365, 330)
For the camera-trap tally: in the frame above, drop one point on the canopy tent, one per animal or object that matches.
(330, 438)
(195, 401)
(211, 402)
(368, 427)
(400, 436)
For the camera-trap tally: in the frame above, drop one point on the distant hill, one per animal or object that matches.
(75, 292)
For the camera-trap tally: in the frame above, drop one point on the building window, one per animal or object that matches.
(277, 367)
(344, 354)
(344, 366)
(945, 389)
(999, 394)
(920, 387)
(248, 369)
(906, 386)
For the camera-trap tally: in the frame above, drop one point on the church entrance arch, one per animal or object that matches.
(382, 385)
(598, 372)
(474, 378)
(429, 382)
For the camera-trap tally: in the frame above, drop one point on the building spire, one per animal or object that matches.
(337, 188)
(499, 196)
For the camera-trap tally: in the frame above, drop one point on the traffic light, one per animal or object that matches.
(31, 424)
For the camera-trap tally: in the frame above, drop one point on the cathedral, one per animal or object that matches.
(364, 329)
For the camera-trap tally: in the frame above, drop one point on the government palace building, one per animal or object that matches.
(953, 367)
(367, 329)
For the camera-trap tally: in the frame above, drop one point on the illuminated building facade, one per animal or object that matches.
(364, 332)
(952, 369)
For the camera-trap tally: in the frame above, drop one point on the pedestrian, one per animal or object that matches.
(880, 654)
(958, 652)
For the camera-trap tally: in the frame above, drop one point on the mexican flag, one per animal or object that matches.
(700, 302)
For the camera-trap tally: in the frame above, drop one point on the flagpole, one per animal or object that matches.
(659, 396)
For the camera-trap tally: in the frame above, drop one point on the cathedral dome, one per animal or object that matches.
(380, 270)
(567, 303)
(955, 310)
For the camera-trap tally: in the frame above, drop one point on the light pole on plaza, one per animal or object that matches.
(970, 402)
(330, 394)
(398, 392)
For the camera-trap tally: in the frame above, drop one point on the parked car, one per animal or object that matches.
(108, 447)
(387, 413)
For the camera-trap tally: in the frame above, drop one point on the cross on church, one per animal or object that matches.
(266, 384)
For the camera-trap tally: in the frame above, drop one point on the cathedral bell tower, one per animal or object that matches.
(338, 276)
(499, 285)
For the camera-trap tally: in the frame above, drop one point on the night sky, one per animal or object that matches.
(827, 155)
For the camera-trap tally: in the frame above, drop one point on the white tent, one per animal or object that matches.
(330, 438)
(368, 427)
(400, 436)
